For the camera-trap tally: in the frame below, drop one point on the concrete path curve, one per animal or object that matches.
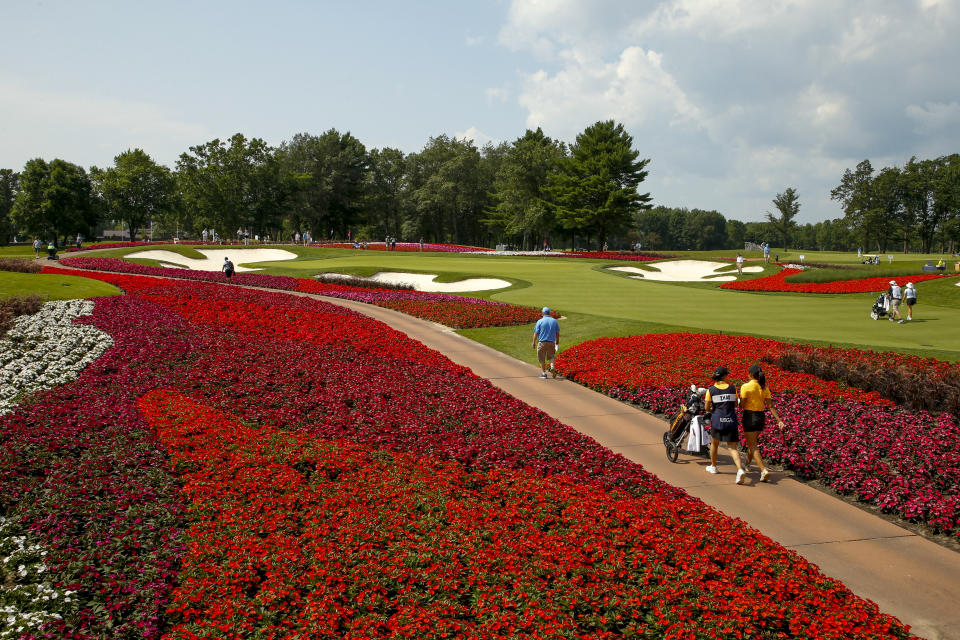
(907, 575)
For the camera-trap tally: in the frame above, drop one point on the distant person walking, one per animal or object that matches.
(766, 252)
(896, 295)
(546, 339)
(739, 265)
(37, 246)
(755, 400)
(227, 268)
(722, 400)
(910, 299)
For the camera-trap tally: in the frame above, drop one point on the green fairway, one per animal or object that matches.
(52, 287)
(607, 303)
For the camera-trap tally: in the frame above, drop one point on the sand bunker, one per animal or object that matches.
(685, 271)
(213, 258)
(425, 282)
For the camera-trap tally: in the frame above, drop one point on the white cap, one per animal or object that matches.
(909, 284)
(893, 282)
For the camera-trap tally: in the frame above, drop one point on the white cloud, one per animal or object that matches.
(479, 138)
(86, 128)
(497, 94)
(734, 100)
(635, 89)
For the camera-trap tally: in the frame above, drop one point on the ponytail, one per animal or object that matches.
(757, 373)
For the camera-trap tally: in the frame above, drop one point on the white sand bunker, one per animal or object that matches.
(425, 282)
(213, 258)
(685, 271)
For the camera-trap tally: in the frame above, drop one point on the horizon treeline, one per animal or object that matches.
(529, 193)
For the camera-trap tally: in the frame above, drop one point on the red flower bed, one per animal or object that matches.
(454, 311)
(857, 442)
(488, 514)
(778, 282)
(290, 535)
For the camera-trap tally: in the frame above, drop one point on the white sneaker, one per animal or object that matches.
(543, 375)
(740, 475)
(712, 469)
(764, 474)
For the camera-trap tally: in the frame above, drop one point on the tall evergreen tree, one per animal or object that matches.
(595, 187)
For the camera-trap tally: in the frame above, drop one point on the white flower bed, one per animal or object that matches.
(46, 349)
(27, 599)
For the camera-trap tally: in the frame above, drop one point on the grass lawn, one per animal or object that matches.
(52, 287)
(598, 302)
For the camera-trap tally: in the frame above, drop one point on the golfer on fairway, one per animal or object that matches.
(546, 337)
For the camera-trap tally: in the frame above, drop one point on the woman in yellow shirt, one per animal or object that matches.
(755, 400)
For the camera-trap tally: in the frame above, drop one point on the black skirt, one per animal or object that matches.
(754, 420)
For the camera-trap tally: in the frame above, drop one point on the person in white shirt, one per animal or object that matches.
(739, 265)
(896, 295)
(910, 299)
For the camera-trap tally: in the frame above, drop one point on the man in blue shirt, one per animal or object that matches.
(546, 337)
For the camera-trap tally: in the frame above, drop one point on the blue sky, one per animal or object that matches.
(733, 100)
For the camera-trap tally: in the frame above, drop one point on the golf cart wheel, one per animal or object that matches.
(672, 452)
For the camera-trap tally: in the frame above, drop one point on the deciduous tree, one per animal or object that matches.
(135, 189)
(9, 182)
(521, 209)
(788, 206)
(54, 200)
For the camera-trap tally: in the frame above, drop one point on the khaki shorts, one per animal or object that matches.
(546, 351)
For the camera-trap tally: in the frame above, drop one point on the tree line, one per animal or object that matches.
(530, 192)
(915, 207)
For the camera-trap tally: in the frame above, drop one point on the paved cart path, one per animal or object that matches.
(905, 574)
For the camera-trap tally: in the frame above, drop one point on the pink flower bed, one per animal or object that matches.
(454, 311)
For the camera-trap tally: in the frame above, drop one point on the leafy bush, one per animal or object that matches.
(913, 383)
(832, 272)
(19, 265)
(17, 306)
